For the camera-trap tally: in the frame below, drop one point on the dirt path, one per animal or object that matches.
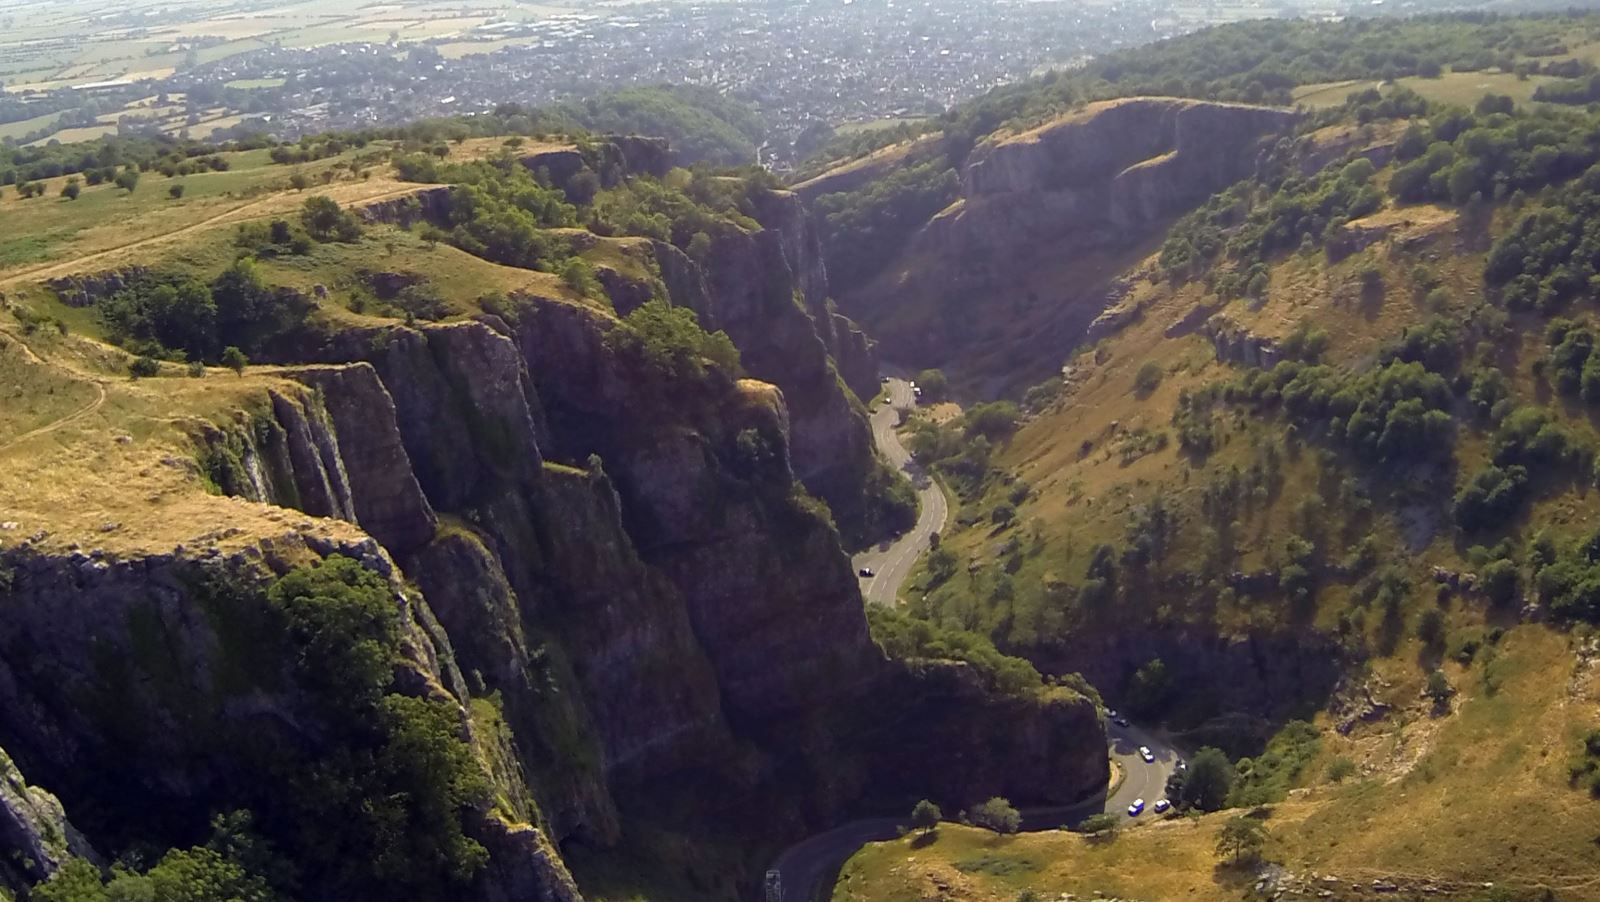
(80, 413)
(44, 271)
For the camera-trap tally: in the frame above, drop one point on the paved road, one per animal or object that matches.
(891, 562)
(808, 869)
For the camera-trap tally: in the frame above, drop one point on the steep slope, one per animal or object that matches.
(603, 565)
(1067, 206)
(1319, 494)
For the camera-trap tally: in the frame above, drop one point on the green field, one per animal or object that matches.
(250, 84)
(1462, 88)
(24, 126)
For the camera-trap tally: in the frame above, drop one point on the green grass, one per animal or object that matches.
(1461, 88)
(250, 84)
(24, 126)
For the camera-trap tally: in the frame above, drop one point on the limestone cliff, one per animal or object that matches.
(1010, 275)
(768, 290)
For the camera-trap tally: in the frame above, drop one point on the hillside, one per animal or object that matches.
(1316, 490)
(406, 523)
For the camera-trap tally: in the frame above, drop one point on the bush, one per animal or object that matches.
(141, 367)
(993, 421)
(1340, 769)
(906, 638)
(669, 341)
(1148, 378)
(71, 189)
(176, 191)
(1097, 823)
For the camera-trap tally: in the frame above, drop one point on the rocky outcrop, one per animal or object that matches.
(1045, 220)
(1272, 676)
(1101, 174)
(1238, 345)
(974, 744)
(151, 689)
(430, 204)
(83, 290)
(768, 291)
(35, 836)
(384, 492)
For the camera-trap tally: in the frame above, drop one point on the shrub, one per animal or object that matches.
(1148, 378)
(670, 342)
(141, 367)
(1340, 769)
(993, 421)
(176, 191)
(71, 189)
(1098, 823)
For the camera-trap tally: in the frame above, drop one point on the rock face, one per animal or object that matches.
(35, 836)
(1026, 258)
(768, 290)
(619, 564)
(1104, 172)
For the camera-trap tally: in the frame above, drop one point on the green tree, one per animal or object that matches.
(127, 180)
(325, 220)
(1241, 839)
(175, 191)
(235, 359)
(1208, 780)
(71, 189)
(141, 367)
(996, 814)
(925, 816)
(934, 385)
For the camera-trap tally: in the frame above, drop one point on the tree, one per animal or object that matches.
(1242, 839)
(934, 385)
(234, 359)
(925, 816)
(176, 191)
(997, 814)
(127, 179)
(325, 220)
(140, 367)
(1208, 780)
(71, 189)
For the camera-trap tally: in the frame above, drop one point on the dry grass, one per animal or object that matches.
(1478, 795)
(107, 227)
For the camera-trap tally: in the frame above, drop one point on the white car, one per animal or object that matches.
(1145, 753)
(1162, 805)
(1137, 808)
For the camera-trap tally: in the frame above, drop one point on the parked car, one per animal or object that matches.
(1137, 808)
(866, 572)
(1120, 721)
(1145, 753)
(1111, 713)
(1162, 805)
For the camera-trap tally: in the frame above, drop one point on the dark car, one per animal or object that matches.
(866, 572)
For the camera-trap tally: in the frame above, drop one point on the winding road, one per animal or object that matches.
(891, 562)
(807, 870)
